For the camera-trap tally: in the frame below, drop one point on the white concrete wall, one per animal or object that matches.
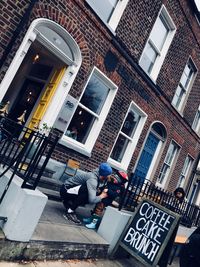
(112, 225)
(22, 207)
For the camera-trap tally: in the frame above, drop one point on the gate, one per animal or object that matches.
(21, 154)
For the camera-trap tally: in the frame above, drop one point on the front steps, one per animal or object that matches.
(55, 238)
(50, 250)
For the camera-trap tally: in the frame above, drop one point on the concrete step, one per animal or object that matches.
(56, 238)
(51, 194)
(51, 250)
(50, 183)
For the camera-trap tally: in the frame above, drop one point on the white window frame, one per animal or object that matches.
(185, 171)
(161, 54)
(86, 148)
(116, 15)
(169, 165)
(185, 90)
(196, 122)
(132, 140)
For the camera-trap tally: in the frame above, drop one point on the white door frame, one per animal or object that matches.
(68, 78)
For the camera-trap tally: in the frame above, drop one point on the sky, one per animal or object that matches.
(198, 4)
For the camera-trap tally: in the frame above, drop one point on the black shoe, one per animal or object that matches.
(72, 217)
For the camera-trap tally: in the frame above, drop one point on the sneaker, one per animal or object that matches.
(93, 224)
(72, 217)
(87, 220)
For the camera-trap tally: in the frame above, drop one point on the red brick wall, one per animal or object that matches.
(94, 40)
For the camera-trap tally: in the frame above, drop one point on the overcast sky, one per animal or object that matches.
(198, 4)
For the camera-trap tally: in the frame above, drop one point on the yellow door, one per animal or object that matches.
(46, 98)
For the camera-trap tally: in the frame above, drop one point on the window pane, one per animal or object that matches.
(81, 122)
(185, 171)
(163, 173)
(130, 123)
(159, 34)
(95, 94)
(170, 154)
(186, 76)
(119, 148)
(196, 121)
(178, 96)
(148, 58)
(104, 8)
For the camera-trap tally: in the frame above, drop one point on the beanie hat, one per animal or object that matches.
(105, 169)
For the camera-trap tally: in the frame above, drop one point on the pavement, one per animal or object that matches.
(78, 263)
(56, 239)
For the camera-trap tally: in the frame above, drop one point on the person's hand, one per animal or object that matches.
(103, 195)
(105, 190)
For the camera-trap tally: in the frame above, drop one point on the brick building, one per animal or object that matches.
(118, 80)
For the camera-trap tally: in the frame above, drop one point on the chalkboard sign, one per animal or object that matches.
(149, 232)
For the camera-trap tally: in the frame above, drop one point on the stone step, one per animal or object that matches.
(51, 194)
(50, 183)
(51, 250)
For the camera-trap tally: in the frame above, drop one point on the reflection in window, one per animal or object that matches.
(95, 94)
(125, 136)
(89, 108)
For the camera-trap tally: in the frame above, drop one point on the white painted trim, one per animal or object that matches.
(154, 161)
(132, 144)
(68, 78)
(184, 98)
(165, 181)
(86, 148)
(156, 156)
(116, 15)
(160, 59)
(16, 62)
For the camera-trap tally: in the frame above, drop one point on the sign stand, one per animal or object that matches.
(150, 234)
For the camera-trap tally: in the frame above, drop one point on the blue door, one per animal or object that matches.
(146, 158)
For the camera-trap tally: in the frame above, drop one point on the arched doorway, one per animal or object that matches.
(47, 54)
(150, 152)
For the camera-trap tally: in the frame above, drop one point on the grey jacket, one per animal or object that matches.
(92, 181)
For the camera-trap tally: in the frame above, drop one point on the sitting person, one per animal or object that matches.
(82, 189)
(114, 188)
(179, 194)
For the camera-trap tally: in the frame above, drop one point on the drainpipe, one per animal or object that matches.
(17, 31)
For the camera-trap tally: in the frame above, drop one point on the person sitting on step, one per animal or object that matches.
(114, 188)
(82, 189)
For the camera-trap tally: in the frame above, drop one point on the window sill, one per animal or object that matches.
(117, 165)
(149, 75)
(76, 146)
(178, 111)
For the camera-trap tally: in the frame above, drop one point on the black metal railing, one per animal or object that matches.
(137, 190)
(21, 153)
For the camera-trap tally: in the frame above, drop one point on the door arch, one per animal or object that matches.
(150, 153)
(56, 54)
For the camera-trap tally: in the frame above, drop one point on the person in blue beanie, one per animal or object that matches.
(82, 189)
